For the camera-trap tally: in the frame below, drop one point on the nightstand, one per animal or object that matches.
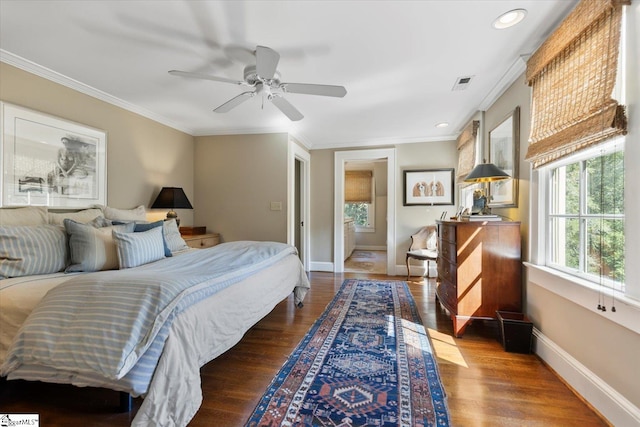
(201, 241)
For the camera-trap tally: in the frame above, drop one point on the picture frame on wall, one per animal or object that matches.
(428, 187)
(504, 149)
(49, 161)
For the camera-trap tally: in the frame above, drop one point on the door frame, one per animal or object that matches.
(295, 152)
(341, 157)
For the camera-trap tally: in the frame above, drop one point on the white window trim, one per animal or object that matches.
(605, 148)
(580, 291)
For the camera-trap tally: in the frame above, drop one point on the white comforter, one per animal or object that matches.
(197, 335)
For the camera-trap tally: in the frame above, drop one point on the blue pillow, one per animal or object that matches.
(140, 248)
(141, 227)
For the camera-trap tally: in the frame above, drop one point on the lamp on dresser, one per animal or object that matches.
(172, 198)
(485, 173)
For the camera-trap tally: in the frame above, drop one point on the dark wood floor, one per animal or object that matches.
(486, 386)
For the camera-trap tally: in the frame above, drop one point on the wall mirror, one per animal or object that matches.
(504, 144)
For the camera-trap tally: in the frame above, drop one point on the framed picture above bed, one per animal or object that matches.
(48, 161)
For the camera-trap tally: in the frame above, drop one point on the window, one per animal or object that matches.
(360, 190)
(586, 216)
(362, 214)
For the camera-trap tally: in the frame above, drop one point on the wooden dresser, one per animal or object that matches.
(479, 270)
(201, 241)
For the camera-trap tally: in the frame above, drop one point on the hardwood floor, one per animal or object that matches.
(485, 385)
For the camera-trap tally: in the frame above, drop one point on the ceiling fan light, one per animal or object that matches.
(509, 19)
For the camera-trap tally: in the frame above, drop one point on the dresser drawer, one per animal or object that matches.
(448, 233)
(448, 251)
(202, 241)
(446, 292)
(447, 271)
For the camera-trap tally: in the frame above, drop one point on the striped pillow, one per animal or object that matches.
(172, 236)
(27, 250)
(140, 248)
(91, 248)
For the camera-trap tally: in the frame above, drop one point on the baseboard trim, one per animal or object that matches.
(371, 248)
(416, 271)
(321, 266)
(607, 401)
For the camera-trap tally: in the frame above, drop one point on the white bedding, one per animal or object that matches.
(199, 334)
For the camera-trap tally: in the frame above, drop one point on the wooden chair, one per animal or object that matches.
(424, 247)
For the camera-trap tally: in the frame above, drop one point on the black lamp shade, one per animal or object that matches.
(486, 172)
(171, 198)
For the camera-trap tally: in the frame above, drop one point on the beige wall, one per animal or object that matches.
(517, 95)
(377, 239)
(426, 155)
(142, 155)
(237, 178)
(605, 348)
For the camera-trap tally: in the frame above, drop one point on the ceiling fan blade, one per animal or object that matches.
(266, 62)
(311, 89)
(204, 76)
(234, 102)
(286, 107)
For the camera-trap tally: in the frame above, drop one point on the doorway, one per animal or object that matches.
(341, 158)
(298, 176)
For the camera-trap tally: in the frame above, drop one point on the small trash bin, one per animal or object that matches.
(516, 331)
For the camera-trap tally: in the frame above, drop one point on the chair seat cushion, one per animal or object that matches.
(423, 253)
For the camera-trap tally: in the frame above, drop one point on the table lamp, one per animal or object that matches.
(172, 198)
(484, 173)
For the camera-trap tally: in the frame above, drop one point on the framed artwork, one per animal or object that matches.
(504, 145)
(48, 161)
(428, 187)
(467, 201)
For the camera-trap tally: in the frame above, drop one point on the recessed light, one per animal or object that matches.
(442, 125)
(509, 19)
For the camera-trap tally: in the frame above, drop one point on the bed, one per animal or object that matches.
(180, 312)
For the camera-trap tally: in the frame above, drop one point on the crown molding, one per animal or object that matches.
(33, 68)
(387, 141)
(518, 67)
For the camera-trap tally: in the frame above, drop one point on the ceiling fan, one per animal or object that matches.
(265, 78)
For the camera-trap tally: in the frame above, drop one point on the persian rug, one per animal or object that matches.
(362, 254)
(366, 361)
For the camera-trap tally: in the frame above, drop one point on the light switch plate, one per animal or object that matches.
(276, 206)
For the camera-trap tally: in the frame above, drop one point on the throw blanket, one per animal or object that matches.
(102, 323)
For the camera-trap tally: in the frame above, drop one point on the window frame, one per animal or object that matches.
(546, 176)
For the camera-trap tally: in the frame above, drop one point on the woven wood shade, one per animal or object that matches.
(357, 186)
(467, 149)
(573, 75)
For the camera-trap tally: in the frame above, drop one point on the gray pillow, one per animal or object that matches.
(83, 216)
(31, 215)
(27, 250)
(91, 248)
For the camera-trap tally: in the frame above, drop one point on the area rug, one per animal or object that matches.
(366, 361)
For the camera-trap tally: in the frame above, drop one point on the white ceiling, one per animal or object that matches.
(398, 60)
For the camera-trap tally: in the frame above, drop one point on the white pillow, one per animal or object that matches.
(172, 236)
(93, 249)
(31, 215)
(139, 248)
(432, 241)
(83, 216)
(135, 214)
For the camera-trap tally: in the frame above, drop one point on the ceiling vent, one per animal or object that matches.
(462, 83)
